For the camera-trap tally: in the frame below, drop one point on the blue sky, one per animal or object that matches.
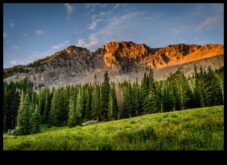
(33, 31)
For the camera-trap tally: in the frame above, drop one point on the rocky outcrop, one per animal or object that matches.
(124, 56)
(123, 60)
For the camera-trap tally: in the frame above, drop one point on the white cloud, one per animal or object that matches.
(15, 47)
(13, 62)
(80, 43)
(102, 13)
(92, 41)
(91, 6)
(94, 23)
(176, 31)
(69, 8)
(58, 46)
(4, 35)
(116, 6)
(115, 28)
(208, 23)
(39, 32)
(11, 23)
(96, 18)
(117, 24)
(90, 44)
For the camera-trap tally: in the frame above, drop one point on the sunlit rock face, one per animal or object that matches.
(123, 60)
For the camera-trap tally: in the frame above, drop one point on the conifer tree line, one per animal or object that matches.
(24, 108)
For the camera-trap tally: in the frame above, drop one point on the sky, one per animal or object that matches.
(34, 31)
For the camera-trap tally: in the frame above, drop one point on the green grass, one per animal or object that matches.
(194, 129)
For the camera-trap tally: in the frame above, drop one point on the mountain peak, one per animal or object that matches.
(75, 64)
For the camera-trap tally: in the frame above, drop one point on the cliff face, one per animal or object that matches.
(123, 60)
(128, 53)
(124, 56)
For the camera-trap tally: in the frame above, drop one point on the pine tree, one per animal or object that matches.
(79, 109)
(35, 120)
(128, 94)
(57, 112)
(213, 93)
(24, 115)
(112, 105)
(115, 105)
(105, 96)
(46, 106)
(11, 92)
(201, 88)
(88, 99)
(5, 108)
(196, 89)
(95, 104)
(150, 104)
(158, 97)
(72, 111)
(52, 115)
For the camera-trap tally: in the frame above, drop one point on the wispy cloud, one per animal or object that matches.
(116, 27)
(11, 23)
(117, 24)
(96, 18)
(92, 42)
(80, 43)
(37, 54)
(25, 34)
(116, 6)
(208, 23)
(94, 23)
(176, 31)
(69, 8)
(13, 62)
(4, 35)
(15, 47)
(91, 6)
(58, 46)
(39, 32)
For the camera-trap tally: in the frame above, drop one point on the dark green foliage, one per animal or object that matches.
(79, 108)
(11, 101)
(35, 119)
(24, 115)
(57, 112)
(72, 111)
(87, 98)
(150, 103)
(104, 97)
(112, 105)
(128, 101)
(72, 105)
(213, 89)
(95, 104)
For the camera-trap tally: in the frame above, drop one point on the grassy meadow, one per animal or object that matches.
(194, 129)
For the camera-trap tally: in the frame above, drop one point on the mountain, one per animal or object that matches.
(123, 60)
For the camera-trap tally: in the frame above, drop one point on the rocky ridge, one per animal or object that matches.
(123, 60)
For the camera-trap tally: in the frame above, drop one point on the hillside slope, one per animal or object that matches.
(195, 129)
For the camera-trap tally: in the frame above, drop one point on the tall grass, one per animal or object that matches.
(195, 129)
